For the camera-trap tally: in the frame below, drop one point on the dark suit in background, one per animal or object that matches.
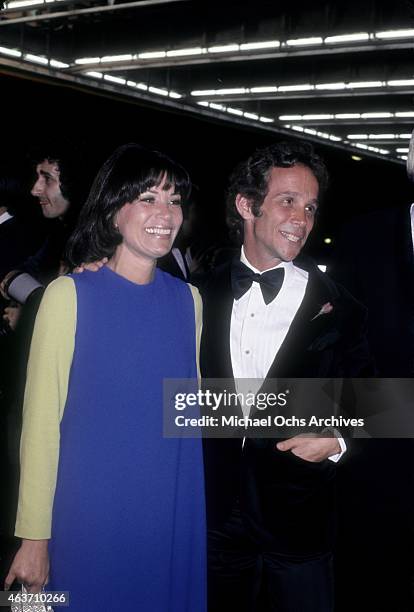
(375, 261)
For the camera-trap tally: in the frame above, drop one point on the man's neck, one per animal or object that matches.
(258, 265)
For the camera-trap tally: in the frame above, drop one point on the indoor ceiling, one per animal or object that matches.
(337, 72)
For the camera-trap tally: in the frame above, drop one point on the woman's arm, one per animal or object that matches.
(48, 370)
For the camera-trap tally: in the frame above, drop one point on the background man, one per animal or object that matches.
(269, 503)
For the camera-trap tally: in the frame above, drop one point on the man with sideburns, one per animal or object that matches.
(271, 313)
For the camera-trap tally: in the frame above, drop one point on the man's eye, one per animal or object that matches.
(311, 210)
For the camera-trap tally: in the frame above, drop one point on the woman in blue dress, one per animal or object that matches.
(119, 508)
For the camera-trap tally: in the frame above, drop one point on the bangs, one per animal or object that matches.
(137, 170)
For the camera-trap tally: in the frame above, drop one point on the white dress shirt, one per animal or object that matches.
(257, 329)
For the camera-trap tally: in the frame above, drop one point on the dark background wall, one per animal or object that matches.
(32, 111)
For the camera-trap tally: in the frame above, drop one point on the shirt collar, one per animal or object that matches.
(5, 217)
(287, 265)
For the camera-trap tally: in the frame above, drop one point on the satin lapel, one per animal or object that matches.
(305, 328)
(218, 305)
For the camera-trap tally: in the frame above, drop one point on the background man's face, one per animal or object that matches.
(47, 190)
(286, 217)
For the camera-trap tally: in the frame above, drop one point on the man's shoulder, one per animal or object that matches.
(334, 292)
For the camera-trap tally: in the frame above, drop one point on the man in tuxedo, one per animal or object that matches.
(375, 260)
(270, 504)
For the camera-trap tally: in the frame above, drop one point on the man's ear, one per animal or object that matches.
(244, 207)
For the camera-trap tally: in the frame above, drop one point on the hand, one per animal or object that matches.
(12, 314)
(93, 266)
(4, 283)
(311, 447)
(30, 566)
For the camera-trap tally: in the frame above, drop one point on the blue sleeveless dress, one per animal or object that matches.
(128, 529)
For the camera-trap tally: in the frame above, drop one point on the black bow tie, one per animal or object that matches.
(242, 278)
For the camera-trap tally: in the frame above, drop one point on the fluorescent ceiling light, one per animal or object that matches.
(266, 44)
(174, 94)
(251, 116)
(401, 83)
(348, 116)
(142, 86)
(231, 91)
(95, 75)
(296, 128)
(152, 55)
(362, 84)
(315, 117)
(357, 136)
(330, 86)
(87, 60)
(335, 138)
(203, 103)
(306, 87)
(36, 59)
(158, 91)
(310, 131)
(131, 83)
(234, 111)
(117, 58)
(408, 136)
(264, 89)
(184, 52)
(114, 79)
(218, 107)
(23, 3)
(223, 48)
(347, 38)
(266, 119)
(57, 64)
(361, 146)
(11, 52)
(312, 40)
(203, 92)
(402, 150)
(405, 114)
(290, 117)
(395, 34)
(382, 136)
(376, 115)
(404, 157)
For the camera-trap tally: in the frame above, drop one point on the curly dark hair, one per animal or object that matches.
(251, 177)
(129, 171)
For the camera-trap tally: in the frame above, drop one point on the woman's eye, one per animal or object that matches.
(175, 202)
(287, 201)
(147, 199)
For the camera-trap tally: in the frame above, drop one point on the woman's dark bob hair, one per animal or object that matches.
(130, 171)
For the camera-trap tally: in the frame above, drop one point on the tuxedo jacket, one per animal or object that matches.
(287, 504)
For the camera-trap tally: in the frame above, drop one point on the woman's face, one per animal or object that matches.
(150, 223)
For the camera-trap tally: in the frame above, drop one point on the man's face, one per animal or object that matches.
(47, 190)
(286, 217)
